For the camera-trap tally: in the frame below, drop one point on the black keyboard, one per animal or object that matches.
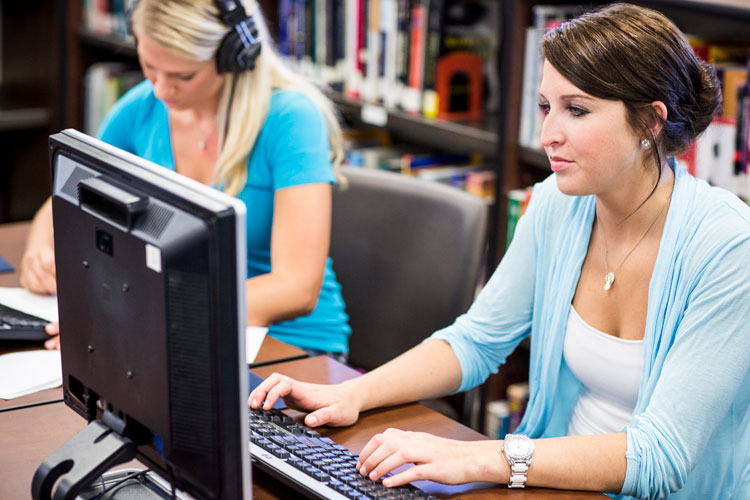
(316, 466)
(17, 325)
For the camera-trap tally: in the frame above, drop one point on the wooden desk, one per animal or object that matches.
(30, 435)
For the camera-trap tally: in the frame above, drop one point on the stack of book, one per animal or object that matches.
(435, 57)
(721, 155)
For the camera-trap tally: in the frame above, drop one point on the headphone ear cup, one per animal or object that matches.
(233, 56)
(226, 61)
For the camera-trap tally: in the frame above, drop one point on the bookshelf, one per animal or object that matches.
(27, 111)
(496, 137)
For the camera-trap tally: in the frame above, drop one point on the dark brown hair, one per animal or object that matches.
(637, 55)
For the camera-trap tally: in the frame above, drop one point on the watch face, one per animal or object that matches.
(518, 447)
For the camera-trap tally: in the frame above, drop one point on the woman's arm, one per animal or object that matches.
(432, 363)
(299, 248)
(38, 262)
(595, 463)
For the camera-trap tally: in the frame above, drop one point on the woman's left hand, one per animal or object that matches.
(436, 459)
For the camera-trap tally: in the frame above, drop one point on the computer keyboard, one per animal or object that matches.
(316, 466)
(17, 325)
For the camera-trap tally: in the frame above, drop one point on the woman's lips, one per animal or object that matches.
(557, 163)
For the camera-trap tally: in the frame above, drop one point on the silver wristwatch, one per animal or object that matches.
(518, 450)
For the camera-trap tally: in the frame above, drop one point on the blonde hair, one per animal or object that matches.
(193, 29)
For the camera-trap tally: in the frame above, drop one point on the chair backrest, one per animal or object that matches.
(408, 254)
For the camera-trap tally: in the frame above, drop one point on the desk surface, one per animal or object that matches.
(30, 435)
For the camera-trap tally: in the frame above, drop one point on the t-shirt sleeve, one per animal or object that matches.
(297, 144)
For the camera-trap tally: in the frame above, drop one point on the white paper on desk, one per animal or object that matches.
(254, 336)
(41, 306)
(25, 372)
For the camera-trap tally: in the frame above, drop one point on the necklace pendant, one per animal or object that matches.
(608, 280)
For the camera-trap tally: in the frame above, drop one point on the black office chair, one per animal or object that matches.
(408, 254)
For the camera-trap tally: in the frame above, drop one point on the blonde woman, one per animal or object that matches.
(219, 106)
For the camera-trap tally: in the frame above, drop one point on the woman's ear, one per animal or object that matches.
(660, 110)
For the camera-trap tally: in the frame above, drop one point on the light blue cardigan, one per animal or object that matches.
(690, 433)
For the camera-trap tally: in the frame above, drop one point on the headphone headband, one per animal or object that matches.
(241, 46)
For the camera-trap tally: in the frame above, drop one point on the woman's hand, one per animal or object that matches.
(38, 273)
(438, 459)
(329, 404)
(52, 329)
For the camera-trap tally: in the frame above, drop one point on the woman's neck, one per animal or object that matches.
(626, 211)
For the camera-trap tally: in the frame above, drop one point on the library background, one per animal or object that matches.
(443, 90)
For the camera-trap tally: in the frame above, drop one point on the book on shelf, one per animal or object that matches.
(107, 17)
(518, 398)
(105, 82)
(518, 200)
(545, 18)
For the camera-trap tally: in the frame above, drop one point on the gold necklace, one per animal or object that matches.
(609, 278)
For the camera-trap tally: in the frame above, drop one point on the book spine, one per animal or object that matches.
(413, 97)
(370, 89)
(433, 39)
(402, 49)
(352, 47)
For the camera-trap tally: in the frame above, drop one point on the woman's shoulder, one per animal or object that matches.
(710, 222)
(712, 209)
(293, 104)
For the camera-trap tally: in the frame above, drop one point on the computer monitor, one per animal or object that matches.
(150, 280)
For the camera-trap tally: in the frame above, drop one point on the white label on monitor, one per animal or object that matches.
(153, 258)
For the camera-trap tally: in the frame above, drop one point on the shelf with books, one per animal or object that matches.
(477, 136)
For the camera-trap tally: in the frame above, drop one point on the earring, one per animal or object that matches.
(645, 144)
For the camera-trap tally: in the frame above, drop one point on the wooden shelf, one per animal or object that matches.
(24, 118)
(110, 43)
(472, 137)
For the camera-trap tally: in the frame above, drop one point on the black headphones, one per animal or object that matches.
(240, 47)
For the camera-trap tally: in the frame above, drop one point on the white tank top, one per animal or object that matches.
(609, 369)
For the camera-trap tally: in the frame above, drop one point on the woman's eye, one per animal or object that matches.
(186, 78)
(544, 108)
(576, 111)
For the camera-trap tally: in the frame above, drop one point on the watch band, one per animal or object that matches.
(518, 472)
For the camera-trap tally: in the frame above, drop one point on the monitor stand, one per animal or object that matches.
(77, 463)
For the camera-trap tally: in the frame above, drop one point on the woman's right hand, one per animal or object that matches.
(328, 404)
(38, 272)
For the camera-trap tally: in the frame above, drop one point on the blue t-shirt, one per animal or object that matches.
(292, 149)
